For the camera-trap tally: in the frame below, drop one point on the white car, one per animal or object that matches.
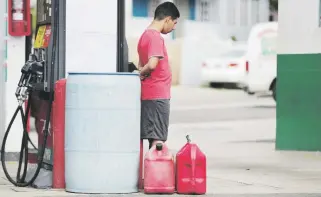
(229, 67)
(261, 73)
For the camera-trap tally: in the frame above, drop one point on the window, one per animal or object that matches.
(204, 10)
(244, 12)
(191, 5)
(208, 10)
(268, 45)
(140, 8)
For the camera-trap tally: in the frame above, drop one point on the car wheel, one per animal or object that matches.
(216, 85)
(250, 93)
(274, 91)
(246, 89)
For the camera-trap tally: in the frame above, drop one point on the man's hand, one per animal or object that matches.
(142, 77)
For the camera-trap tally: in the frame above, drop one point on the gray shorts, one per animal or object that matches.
(155, 119)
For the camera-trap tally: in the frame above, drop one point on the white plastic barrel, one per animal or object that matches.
(102, 132)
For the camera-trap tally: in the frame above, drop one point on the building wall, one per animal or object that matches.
(2, 71)
(298, 76)
(146, 8)
(234, 15)
(232, 12)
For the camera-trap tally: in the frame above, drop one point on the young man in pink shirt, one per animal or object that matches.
(155, 73)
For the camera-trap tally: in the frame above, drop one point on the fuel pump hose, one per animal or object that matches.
(20, 179)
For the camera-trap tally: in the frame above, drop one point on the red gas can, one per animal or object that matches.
(159, 175)
(190, 170)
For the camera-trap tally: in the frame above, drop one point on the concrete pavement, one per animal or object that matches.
(242, 159)
(211, 105)
(240, 150)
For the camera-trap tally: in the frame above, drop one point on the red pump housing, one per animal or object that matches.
(19, 17)
(159, 170)
(190, 169)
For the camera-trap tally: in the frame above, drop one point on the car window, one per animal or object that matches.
(268, 45)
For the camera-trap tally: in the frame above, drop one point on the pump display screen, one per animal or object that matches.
(43, 37)
(43, 12)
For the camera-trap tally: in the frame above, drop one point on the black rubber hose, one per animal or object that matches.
(26, 149)
(24, 145)
(4, 146)
(21, 183)
(22, 153)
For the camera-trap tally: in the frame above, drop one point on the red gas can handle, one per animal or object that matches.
(188, 139)
(193, 159)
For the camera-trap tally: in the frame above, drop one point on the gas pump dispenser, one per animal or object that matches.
(45, 66)
(36, 84)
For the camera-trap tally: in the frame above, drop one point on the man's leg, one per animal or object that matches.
(161, 121)
(154, 120)
(147, 121)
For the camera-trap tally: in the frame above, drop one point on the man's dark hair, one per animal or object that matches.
(166, 9)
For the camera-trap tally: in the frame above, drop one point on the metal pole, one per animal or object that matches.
(2, 63)
(122, 45)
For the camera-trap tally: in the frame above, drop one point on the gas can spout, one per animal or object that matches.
(188, 139)
(159, 146)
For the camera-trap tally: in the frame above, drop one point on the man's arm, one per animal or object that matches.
(149, 67)
(155, 53)
(139, 65)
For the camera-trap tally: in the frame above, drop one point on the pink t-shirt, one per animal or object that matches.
(158, 84)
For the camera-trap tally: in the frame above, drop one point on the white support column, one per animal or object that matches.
(91, 36)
